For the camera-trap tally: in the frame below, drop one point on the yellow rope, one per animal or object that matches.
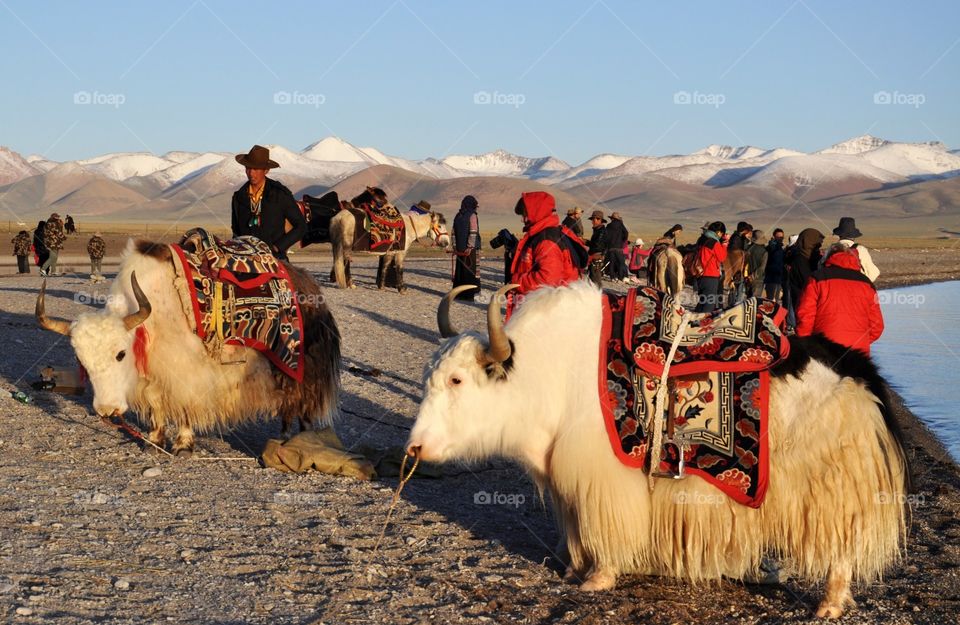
(396, 496)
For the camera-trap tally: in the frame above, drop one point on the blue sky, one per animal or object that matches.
(429, 78)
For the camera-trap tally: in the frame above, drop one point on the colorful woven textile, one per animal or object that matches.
(385, 227)
(718, 386)
(240, 294)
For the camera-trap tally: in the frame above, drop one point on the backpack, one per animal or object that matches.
(566, 240)
(692, 266)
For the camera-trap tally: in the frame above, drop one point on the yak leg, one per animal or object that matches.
(838, 591)
(183, 445)
(600, 578)
(156, 436)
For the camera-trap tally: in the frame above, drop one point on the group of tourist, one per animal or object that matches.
(47, 241)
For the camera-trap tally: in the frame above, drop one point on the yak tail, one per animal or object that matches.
(315, 400)
(341, 249)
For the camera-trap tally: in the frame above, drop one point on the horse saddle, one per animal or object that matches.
(318, 211)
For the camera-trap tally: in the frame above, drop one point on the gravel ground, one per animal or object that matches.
(93, 530)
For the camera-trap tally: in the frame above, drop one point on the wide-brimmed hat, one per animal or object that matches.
(847, 229)
(598, 214)
(615, 215)
(425, 205)
(257, 158)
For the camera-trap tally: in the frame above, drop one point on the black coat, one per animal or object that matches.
(617, 234)
(276, 208)
(774, 272)
(598, 242)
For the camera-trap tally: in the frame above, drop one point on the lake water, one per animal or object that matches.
(919, 354)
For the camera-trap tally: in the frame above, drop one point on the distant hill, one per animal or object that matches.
(909, 186)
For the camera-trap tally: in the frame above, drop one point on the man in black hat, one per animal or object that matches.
(263, 207)
(847, 231)
(597, 248)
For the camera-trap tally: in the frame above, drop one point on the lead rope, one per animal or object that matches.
(656, 420)
(396, 496)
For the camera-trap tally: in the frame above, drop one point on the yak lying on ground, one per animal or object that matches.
(168, 376)
(837, 472)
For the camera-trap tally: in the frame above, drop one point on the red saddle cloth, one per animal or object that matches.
(718, 386)
(241, 294)
(385, 226)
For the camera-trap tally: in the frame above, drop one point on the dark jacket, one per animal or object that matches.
(617, 235)
(466, 225)
(276, 208)
(755, 263)
(737, 242)
(574, 225)
(774, 270)
(841, 303)
(802, 258)
(598, 241)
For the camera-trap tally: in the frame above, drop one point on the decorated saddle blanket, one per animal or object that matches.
(236, 292)
(384, 227)
(717, 387)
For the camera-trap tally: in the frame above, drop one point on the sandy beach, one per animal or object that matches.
(86, 537)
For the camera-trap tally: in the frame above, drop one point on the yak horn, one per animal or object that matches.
(57, 325)
(132, 320)
(443, 312)
(499, 349)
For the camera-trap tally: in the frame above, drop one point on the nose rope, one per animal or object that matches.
(126, 428)
(396, 496)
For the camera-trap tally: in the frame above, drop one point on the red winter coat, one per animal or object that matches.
(712, 254)
(545, 263)
(841, 303)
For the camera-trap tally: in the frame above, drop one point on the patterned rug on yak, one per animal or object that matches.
(240, 294)
(717, 387)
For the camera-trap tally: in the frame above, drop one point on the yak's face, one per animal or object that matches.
(104, 347)
(459, 405)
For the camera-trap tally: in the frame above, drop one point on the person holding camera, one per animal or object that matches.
(543, 256)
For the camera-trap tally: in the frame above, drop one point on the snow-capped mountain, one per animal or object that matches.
(183, 178)
(857, 145)
(14, 167)
(503, 163)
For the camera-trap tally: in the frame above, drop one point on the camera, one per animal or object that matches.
(506, 239)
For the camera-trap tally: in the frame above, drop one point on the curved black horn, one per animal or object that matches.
(443, 311)
(132, 320)
(499, 349)
(57, 325)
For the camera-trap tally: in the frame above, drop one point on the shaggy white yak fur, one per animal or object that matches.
(183, 384)
(836, 483)
(429, 226)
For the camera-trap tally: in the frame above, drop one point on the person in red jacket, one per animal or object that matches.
(841, 303)
(542, 257)
(712, 251)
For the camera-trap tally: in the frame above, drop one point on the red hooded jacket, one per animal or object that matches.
(545, 263)
(712, 254)
(841, 303)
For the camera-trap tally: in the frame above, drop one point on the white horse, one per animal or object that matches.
(430, 228)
